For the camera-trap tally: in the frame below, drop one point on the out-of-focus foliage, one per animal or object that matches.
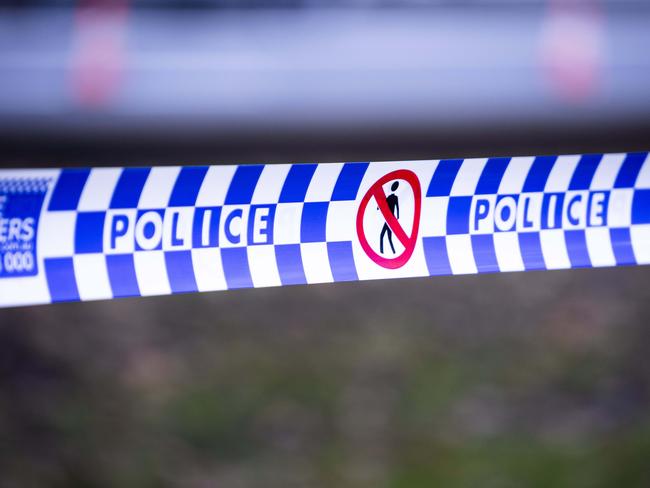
(536, 379)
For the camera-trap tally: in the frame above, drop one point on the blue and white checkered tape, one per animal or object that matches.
(86, 234)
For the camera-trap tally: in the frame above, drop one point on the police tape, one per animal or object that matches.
(86, 234)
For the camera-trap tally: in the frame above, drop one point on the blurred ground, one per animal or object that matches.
(532, 379)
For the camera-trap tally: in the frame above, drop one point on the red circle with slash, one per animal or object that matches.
(376, 191)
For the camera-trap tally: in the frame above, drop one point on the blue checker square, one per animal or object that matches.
(538, 173)
(491, 176)
(349, 180)
(290, 265)
(61, 279)
(436, 255)
(129, 187)
(121, 274)
(531, 251)
(458, 215)
(187, 186)
(629, 171)
(242, 186)
(180, 271)
(584, 172)
(313, 224)
(236, 268)
(484, 253)
(576, 244)
(641, 207)
(67, 191)
(341, 259)
(443, 178)
(89, 232)
(297, 182)
(622, 246)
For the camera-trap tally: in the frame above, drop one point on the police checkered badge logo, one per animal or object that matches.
(21, 200)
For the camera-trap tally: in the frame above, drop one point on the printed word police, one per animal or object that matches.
(185, 228)
(533, 211)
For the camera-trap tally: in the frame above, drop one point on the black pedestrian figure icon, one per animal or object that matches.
(393, 206)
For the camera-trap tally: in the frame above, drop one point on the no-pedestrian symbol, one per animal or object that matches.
(387, 223)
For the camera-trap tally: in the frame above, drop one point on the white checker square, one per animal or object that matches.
(554, 249)
(263, 266)
(323, 182)
(640, 236)
(269, 186)
(158, 188)
(99, 188)
(286, 228)
(619, 212)
(606, 172)
(208, 270)
(341, 221)
(215, 186)
(92, 276)
(599, 245)
(433, 220)
(315, 261)
(151, 272)
(461, 254)
(561, 174)
(32, 290)
(508, 252)
(468, 176)
(57, 233)
(515, 175)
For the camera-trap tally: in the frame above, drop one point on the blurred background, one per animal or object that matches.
(531, 379)
(164, 81)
